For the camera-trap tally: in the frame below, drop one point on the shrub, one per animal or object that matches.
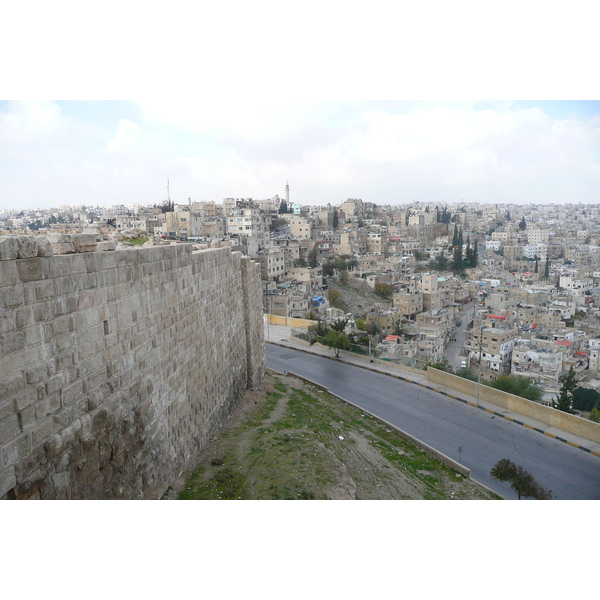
(517, 385)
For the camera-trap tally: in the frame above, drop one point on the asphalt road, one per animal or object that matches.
(454, 348)
(447, 424)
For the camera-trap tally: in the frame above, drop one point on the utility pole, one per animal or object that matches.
(479, 367)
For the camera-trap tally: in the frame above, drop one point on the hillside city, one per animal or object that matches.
(481, 290)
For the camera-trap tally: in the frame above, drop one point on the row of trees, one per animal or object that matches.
(458, 263)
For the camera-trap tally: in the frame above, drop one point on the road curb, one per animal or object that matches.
(433, 389)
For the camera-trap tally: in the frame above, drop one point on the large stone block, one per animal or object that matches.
(106, 245)
(9, 428)
(11, 296)
(15, 450)
(30, 269)
(8, 272)
(44, 247)
(84, 243)
(27, 246)
(9, 248)
(8, 480)
(61, 243)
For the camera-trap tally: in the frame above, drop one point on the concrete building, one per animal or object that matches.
(409, 303)
(272, 264)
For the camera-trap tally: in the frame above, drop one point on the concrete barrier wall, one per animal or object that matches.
(289, 321)
(116, 368)
(551, 416)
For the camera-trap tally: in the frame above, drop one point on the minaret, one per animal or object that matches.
(287, 192)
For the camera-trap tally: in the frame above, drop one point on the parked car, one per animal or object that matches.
(463, 364)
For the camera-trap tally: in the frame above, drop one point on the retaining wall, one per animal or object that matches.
(551, 416)
(116, 368)
(289, 321)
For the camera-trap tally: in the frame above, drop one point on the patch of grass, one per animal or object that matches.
(136, 241)
(288, 447)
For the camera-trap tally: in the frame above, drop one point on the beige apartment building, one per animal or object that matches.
(409, 303)
(438, 292)
(300, 227)
(496, 349)
(377, 242)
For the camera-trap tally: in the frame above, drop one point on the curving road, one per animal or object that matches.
(447, 424)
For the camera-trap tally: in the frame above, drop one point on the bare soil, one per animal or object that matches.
(357, 296)
(292, 440)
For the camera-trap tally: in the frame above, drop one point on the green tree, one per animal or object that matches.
(547, 269)
(328, 269)
(564, 400)
(384, 290)
(313, 258)
(595, 415)
(337, 340)
(466, 374)
(372, 328)
(536, 263)
(335, 299)
(522, 224)
(301, 262)
(455, 236)
(521, 481)
(360, 324)
(398, 328)
(586, 399)
(443, 365)
(321, 329)
(344, 277)
(336, 219)
(457, 259)
(517, 385)
(339, 325)
(439, 263)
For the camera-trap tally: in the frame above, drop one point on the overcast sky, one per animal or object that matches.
(385, 152)
(235, 106)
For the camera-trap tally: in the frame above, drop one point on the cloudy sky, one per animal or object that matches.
(109, 152)
(236, 104)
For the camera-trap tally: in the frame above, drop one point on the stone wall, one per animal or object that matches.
(116, 368)
(550, 416)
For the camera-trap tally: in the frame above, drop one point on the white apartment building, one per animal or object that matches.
(532, 250)
(245, 222)
(537, 236)
(569, 282)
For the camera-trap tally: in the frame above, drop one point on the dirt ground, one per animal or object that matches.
(357, 297)
(292, 440)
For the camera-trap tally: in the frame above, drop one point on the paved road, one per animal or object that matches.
(446, 424)
(453, 350)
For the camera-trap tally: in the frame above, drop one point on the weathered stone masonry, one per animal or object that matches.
(116, 368)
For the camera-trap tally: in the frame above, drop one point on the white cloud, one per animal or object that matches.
(126, 133)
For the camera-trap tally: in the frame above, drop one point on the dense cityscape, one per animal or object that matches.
(485, 291)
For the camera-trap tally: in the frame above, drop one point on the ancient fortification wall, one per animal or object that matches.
(116, 368)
